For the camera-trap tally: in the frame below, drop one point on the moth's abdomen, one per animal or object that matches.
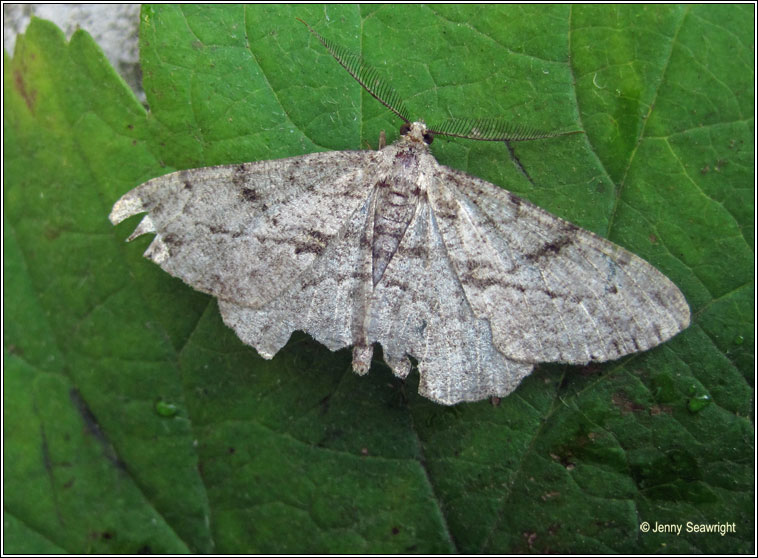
(396, 200)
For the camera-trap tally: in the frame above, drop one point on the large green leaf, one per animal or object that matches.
(136, 421)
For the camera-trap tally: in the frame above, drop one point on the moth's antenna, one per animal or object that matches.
(365, 75)
(491, 129)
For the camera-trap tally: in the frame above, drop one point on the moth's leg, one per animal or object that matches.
(362, 355)
(516, 161)
(382, 141)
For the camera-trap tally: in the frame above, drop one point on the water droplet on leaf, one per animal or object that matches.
(166, 409)
(699, 402)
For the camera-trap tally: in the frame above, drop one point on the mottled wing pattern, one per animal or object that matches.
(328, 300)
(244, 232)
(419, 308)
(552, 292)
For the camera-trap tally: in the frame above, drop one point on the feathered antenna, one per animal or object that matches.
(491, 129)
(484, 129)
(365, 75)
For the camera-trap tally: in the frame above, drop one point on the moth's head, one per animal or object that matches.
(416, 132)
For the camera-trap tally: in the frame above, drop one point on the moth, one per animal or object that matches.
(390, 247)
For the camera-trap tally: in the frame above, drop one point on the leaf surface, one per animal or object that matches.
(134, 420)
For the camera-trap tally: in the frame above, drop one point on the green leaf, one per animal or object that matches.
(134, 420)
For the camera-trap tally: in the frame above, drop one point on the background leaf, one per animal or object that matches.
(135, 421)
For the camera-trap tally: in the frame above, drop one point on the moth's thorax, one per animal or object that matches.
(397, 194)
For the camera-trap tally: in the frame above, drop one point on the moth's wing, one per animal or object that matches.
(244, 232)
(419, 308)
(327, 301)
(552, 292)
